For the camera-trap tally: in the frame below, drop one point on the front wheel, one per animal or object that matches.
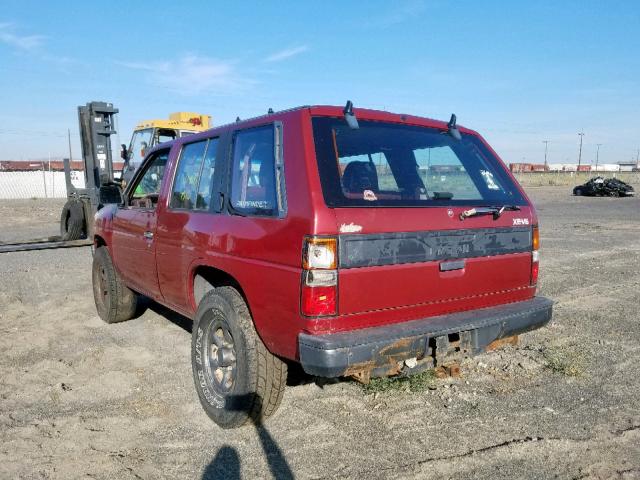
(236, 377)
(577, 192)
(115, 301)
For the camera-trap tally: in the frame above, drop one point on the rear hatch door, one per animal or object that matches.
(398, 193)
(430, 258)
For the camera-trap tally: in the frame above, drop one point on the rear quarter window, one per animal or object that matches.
(257, 186)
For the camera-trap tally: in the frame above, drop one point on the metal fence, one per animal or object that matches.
(37, 184)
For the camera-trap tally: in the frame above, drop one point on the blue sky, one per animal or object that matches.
(518, 72)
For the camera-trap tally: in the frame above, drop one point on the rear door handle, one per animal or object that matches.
(148, 235)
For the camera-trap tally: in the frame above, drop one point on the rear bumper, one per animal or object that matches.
(381, 349)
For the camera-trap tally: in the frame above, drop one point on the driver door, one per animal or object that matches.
(134, 227)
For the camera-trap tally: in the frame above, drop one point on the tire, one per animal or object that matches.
(577, 192)
(614, 193)
(72, 222)
(236, 377)
(115, 301)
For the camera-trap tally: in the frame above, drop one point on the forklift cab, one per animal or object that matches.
(141, 141)
(150, 133)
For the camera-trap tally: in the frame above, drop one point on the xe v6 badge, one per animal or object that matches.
(521, 221)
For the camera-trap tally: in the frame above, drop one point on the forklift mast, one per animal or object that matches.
(97, 124)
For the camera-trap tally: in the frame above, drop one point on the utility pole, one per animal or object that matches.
(546, 146)
(581, 134)
(597, 155)
(69, 137)
(638, 159)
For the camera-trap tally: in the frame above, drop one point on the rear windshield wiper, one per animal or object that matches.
(495, 211)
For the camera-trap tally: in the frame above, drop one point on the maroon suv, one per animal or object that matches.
(356, 242)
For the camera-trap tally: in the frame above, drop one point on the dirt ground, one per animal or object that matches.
(82, 399)
(22, 220)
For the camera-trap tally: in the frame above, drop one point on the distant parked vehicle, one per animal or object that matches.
(604, 187)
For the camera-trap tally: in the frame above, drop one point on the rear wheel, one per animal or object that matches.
(614, 193)
(72, 221)
(115, 301)
(236, 377)
(577, 191)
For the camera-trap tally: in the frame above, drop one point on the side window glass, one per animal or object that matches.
(253, 181)
(206, 176)
(147, 188)
(185, 185)
(166, 135)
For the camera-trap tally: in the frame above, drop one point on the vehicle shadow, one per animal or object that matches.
(180, 320)
(226, 463)
(296, 376)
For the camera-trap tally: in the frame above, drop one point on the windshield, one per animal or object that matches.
(140, 142)
(387, 164)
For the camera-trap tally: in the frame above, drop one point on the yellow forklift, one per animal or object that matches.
(97, 124)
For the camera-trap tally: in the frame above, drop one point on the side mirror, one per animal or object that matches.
(124, 154)
(110, 194)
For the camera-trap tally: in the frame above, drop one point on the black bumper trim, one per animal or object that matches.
(333, 355)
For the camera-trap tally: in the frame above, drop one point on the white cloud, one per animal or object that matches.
(21, 42)
(286, 53)
(191, 74)
(157, 67)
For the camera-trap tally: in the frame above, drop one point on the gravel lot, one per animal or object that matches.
(82, 399)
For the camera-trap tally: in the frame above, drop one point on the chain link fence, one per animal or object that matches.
(37, 184)
(41, 183)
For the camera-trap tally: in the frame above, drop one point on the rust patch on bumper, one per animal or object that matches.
(445, 351)
(388, 361)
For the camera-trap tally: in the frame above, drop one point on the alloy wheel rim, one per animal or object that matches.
(220, 357)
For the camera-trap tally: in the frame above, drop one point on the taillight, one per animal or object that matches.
(535, 255)
(320, 252)
(319, 277)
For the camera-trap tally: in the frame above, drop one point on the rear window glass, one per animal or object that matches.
(385, 164)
